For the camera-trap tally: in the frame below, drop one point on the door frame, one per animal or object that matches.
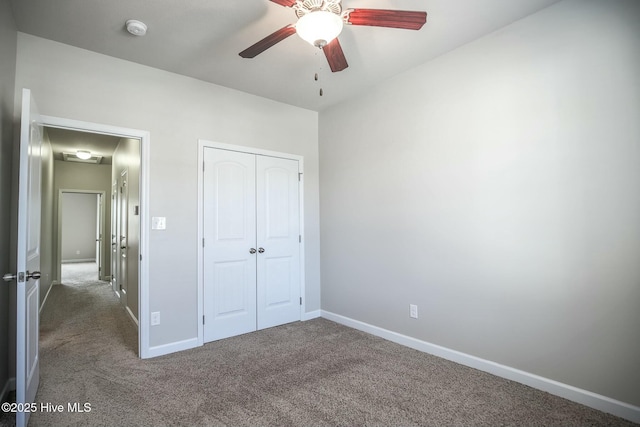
(101, 226)
(202, 144)
(143, 271)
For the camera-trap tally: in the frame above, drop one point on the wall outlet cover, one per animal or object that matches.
(155, 318)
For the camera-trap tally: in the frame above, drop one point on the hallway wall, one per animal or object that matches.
(127, 157)
(47, 226)
(78, 224)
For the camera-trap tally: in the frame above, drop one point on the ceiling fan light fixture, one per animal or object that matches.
(83, 154)
(319, 27)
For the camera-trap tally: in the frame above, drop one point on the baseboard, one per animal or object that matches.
(131, 315)
(9, 386)
(44, 301)
(311, 315)
(71, 261)
(584, 397)
(173, 347)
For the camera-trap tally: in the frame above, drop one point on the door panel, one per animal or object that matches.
(278, 231)
(123, 248)
(114, 238)
(229, 233)
(28, 257)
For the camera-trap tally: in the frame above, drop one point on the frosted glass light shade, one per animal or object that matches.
(83, 154)
(319, 28)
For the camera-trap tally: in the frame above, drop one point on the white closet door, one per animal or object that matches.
(278, 231)
(230, 234)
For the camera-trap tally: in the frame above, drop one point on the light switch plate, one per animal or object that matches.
(158, 223)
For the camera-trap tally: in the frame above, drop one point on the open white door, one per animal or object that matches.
(28, 258)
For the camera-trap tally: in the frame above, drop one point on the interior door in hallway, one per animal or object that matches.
(123, 249)
(229, 228)
(114, 237)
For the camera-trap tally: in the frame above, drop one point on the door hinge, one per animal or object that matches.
(300, 300)
(203, 320)
(202, 166)
(203, 242)
(299, 238)
(140, 257)
(299, 176)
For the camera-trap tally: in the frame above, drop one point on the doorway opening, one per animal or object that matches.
(118, 237)
(81, 227)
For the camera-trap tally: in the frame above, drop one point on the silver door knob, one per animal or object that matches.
(252, 251)
(261, 250)
(9, 277)
(35, 275)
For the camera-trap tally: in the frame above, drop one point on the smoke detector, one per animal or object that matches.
(137, 28)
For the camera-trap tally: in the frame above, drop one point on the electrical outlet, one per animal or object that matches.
(77, 252)
(413, 311)
(155, 318)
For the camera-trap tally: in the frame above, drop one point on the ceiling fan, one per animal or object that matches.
(321, 21)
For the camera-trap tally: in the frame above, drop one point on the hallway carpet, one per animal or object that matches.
(314, 373)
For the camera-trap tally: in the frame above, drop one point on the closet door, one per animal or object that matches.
(229, 228)
(278, 231)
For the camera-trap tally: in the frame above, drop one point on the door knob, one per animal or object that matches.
(261, 250)
(35, 275)
(9, 277)
(252, 251)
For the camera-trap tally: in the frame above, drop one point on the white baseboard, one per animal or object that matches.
(132, 316)
(44, 301)
(9, 386)
(173, 347)
(71, 261)
(311, 315)
(584, 397)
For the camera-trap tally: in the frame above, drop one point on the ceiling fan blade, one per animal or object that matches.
(267, 42)
(405, 19)
(286, 3)
(335, 56)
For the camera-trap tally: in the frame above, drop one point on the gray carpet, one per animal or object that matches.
(76, 273)
(314, 373)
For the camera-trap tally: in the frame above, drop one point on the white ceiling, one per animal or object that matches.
(202, 39)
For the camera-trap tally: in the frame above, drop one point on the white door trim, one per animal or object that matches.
(143, 273)
(202, 144)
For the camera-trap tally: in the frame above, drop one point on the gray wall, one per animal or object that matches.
(82, 176)
(497, 187)
(127, 157)
(47, 243)
(78, 224)
(8, 38)
(82, 85)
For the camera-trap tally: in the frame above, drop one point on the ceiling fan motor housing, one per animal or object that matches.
(303, 7)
